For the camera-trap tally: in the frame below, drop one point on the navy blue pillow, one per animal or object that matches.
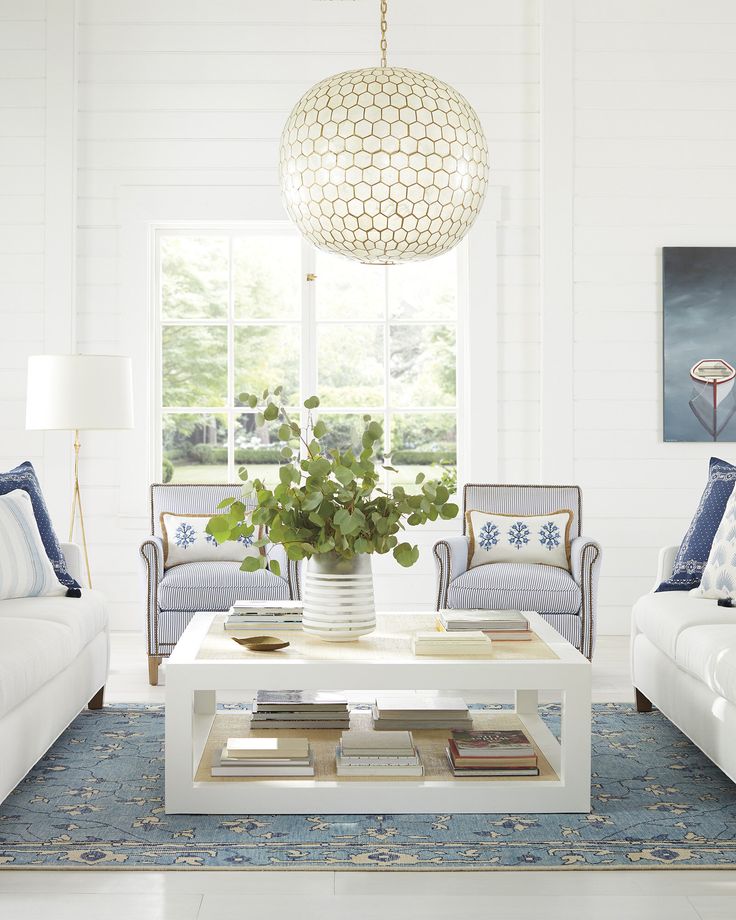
(24, 477)
(693, 553)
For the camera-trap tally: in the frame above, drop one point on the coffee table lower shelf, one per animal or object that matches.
(438, 790)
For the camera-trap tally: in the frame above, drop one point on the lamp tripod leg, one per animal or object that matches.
(77, 503)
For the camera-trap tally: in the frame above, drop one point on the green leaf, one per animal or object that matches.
(284, 432)
(343, 475)
(277, 391)
(311, 402)
(271, 412)
(320, 429)
(448, 511)
(375, 430)
(251, 564)
(420, 478)
(287, 453)
(312, 501)
(226, 502)
(274, 566)
(406, 554)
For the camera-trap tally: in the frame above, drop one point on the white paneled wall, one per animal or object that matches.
(22, 215)
(179, 98)
(655, 165)
(193, 94)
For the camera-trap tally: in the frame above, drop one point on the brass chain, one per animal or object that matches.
(384, 29)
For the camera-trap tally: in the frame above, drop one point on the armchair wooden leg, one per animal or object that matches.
(642, 703)
(153, 663)
(96, 701)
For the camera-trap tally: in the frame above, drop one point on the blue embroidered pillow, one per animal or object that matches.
(24, 477)
(695, 547)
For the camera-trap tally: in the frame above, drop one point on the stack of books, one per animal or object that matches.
(402, 712)
(491, 753)
(496, 624)
(264, 615)
(277, 709)
(471, 644)
(366, 753)
(264, 757)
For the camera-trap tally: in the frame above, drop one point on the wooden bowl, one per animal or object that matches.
(261, 643)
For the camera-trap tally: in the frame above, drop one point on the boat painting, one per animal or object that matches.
(713, 402)
(699, 343)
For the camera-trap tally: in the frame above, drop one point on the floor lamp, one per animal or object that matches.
(79, 393)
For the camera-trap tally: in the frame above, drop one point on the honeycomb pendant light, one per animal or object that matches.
(383, 164)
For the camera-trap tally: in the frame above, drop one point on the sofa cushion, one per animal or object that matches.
(508, 585)
(709, 654)
(84, 617)
(663, 617)
(216, 586)
(39, 637)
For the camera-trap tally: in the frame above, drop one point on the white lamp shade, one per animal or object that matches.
(79, 391)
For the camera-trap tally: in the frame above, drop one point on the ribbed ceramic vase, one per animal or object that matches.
(338, 598)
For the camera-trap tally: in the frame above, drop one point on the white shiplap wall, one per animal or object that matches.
(22, 216)
(655, 165)
(190, 94)
(183, 95)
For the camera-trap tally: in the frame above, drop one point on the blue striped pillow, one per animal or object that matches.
(25, 570)
(24, 477)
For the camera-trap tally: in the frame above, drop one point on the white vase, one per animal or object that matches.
(338, 598)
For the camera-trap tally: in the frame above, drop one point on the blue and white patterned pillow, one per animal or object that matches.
(693, 553)
(536, 539)
(24, 477)
(25, 569)
(186, 540)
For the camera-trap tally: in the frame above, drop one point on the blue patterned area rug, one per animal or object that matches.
(96, 800)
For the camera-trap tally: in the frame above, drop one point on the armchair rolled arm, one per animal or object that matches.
(451, 559)
(152, 553)
(586, 557)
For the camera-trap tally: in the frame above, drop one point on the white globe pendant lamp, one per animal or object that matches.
(384, 164)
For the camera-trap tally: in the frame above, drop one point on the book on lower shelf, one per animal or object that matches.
(496, 624)
(299, 709)
(497, 752)
(264, 757)
(367, 753)
(402, 712)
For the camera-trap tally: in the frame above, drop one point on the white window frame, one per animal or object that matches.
(309, 326)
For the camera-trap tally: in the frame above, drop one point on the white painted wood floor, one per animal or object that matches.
(519, 895)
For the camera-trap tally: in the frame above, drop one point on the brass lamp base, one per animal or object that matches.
(77, 503)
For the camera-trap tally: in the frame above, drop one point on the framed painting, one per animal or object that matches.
(699, 308)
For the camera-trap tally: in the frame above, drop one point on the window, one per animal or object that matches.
(236, 313)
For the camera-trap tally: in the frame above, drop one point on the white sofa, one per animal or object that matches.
(54, 657)
(683, 661)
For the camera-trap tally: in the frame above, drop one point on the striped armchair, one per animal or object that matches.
(174, 595)
(567, 600)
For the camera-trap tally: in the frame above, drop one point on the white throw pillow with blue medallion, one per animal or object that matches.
(537, 539)
(186, 540)
(25, 570)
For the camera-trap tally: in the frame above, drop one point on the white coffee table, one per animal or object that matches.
(206, 660)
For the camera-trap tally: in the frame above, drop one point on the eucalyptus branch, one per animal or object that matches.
(329, 501)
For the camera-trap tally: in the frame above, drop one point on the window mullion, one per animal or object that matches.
(230, 366)
(388, 447)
